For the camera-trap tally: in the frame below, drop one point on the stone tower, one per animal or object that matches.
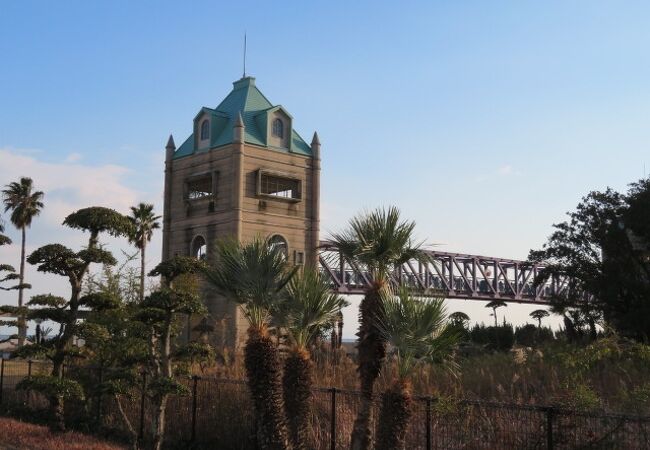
(244, 172)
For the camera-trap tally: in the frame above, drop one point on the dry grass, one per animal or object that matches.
(20, 435)
(603, 376)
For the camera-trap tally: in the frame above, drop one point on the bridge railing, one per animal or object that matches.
(454, 275)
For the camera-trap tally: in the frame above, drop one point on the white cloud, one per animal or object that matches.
(69, 185)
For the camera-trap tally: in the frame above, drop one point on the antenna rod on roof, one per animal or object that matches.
(244, 55)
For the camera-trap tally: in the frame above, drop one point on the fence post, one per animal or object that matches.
(333, 422)
(142, 400)
(428, 423)
(549, 428)
(2, 377)
(99, 393)
(29, 368)
(195, 381)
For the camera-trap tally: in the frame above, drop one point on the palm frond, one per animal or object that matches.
(252, 275)
(379, 240)
(144, 222)
(417, 331)
(23, 201)
(308, 305)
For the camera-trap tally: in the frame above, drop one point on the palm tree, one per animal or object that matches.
(307, 308)
(539, 314)
(418, 333)
(494, 304)
(25, 204)
(144, 221)
(254, 276)
(379, 242)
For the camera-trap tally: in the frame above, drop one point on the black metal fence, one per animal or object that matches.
(218, 414)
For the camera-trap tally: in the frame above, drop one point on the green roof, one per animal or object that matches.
(247, 100)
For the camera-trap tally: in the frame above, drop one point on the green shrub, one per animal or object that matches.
(532, 336)
(500, 338)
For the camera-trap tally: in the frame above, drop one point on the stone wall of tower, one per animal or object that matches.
(222, 216)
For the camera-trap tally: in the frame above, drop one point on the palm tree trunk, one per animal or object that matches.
(496, 324)
(263, 375)
(22, 326)
(297, 383)
(372, 350)
(394, 417)
(142, 269)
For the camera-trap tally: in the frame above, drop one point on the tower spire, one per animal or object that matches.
(244, 76)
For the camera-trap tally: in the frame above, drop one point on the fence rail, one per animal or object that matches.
(218, 413)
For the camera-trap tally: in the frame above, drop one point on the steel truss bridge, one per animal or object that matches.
(453, 276)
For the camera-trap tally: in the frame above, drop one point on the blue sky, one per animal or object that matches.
(483, 121)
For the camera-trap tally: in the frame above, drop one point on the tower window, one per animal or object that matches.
(278, 128)
(278, 243)
(199, 187)
(277, 186)
(205, 130)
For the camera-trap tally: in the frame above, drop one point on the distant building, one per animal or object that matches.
(243, 172)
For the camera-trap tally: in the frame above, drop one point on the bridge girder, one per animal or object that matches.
(453, 276)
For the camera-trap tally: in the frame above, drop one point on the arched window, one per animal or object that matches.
(199, 248)
(278, 128)
(205, 129)
(279, 243)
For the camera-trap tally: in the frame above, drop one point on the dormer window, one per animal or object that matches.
(278, 128)
(205, 130)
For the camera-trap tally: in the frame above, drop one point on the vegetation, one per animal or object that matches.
(307, 308)
(495, 304)
(496, 338)
(7, 272)
(24, 203)
(60, 260)
(144, 222)
(4, 240)
(254, 275)
(379, 241)
(459, 318)
(417, 333)
(538, 315)
(160, 312)
(605, 247)
(17, 434)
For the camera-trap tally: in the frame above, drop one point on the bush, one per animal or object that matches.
(500, 338)
(532, 336)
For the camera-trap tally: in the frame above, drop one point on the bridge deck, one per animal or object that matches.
(454, 276)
